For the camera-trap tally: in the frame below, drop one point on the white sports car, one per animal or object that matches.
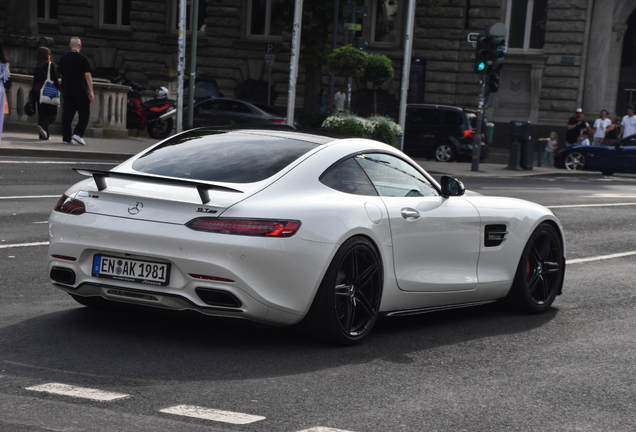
(280, 227)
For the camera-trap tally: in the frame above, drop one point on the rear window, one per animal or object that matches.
(222, 156)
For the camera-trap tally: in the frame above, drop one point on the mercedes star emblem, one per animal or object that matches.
(136, 208)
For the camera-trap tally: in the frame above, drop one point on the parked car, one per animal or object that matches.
(227, 112)
(440, 132)
(203, 88)
(280, 227)
(608, 159)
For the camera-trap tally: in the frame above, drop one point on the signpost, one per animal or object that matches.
(270, 55)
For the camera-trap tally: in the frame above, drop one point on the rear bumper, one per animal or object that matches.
(274, 280)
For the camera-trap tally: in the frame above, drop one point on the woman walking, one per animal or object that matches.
(44, 67)
(4, 77)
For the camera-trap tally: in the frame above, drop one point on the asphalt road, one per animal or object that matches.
(479, 369)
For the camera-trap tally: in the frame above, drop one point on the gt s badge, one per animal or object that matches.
(205, 210)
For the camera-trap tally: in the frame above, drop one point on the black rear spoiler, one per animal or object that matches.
(204, 189)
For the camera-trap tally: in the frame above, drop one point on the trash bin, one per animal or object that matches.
(526, 161)
(490, 129)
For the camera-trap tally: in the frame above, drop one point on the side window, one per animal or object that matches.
(425, 117)
(209, 105)
(235, 107)
(394, 177)
(452, 118)
(348, 177)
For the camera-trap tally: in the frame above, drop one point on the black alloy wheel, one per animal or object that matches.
(348, 301)
(160, 129)
(539, 277)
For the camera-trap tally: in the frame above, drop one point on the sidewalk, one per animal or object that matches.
(28, 145)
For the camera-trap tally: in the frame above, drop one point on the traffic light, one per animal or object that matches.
(481, 54)
(495, 55)
(493, 77)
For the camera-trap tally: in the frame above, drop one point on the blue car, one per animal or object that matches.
(619, 157)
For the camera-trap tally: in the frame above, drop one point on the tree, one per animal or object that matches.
(348, 61)
(378, 71)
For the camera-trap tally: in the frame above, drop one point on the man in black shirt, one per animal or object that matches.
(576, 125)
(77, 90)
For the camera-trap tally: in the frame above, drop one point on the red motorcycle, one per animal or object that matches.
(156, 114)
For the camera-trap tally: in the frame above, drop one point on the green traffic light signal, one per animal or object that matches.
(481, 53)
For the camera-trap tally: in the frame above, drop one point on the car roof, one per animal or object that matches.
(272, 131)
(447, 107)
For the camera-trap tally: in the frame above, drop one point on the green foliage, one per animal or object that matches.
(385, 130)
(378, 71)
(380, 128)
(348, 61)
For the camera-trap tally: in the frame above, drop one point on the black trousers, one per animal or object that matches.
(75, 104)
(46, 115)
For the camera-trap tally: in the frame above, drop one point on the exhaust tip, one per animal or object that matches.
(63, 275)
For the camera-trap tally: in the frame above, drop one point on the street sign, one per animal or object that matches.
(270, 49)
(269, 61)
(472, 37)
(353, 26)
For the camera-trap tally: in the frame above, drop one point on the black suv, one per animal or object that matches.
(440, 132)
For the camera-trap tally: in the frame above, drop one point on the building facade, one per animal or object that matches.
(562, 54)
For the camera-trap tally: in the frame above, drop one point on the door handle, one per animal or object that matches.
(410, 214)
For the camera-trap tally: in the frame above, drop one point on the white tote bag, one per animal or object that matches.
(49, 94)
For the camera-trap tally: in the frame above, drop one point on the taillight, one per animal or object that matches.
(69, 206)
(469, 133)
(248, 227)
(278, 120)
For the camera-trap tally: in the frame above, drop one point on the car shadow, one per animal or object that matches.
(144, 344)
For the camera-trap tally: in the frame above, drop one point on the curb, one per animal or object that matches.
(16, 152)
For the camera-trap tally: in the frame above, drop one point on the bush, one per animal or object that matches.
(379, 128)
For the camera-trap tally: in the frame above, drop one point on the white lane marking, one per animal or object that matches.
(23, 245)
(41, 222)
(30, 197)
(212, 414)
(592, 205)
(80, 392)
(599, 258)
(516, 188)
(608, 196)
(56, 162)
(323, 429)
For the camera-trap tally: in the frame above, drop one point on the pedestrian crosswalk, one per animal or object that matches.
(192, 411)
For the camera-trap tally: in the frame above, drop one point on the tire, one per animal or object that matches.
(444, 152)
(539, 276)
(160, 129)
(348, 300)
(574, 161)
(91, 302)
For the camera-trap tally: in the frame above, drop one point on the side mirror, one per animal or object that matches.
(452, 187)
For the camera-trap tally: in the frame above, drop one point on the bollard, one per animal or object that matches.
(513, 159)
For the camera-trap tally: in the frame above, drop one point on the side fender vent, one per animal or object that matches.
(495, 235)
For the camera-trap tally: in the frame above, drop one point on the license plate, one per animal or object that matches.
(143, 272)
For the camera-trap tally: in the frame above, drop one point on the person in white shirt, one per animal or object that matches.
(628, 125)
(339, 99)
(548, 152)
(583, 139)
(599, 127)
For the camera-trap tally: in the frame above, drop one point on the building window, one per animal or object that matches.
(115, 13)
(268, 19)
(526, 20)
(385, 16)
(47, 10)
(201, 15)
